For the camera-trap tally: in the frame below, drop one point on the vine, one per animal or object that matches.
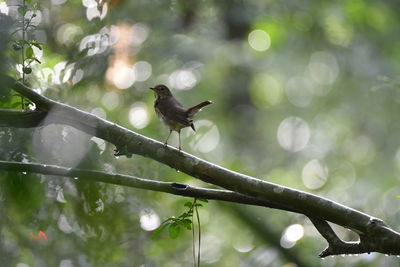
(27, 11)
(185, 221)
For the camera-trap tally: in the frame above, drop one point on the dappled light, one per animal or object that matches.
(259, 40)
(110, 100)
(149, 220)
(182, 79)
(299, 91)
(305, 97)
(323, 70)
(55, 144)
(4, 9)
(292, 234)
(138, 115)
(207, 138)
(266, 91)
(293, 134)
(314, 174)
(122, 71)
(94, 9)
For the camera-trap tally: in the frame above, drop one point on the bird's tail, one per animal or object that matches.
(193, 110)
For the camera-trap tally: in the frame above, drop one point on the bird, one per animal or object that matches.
(172, 113)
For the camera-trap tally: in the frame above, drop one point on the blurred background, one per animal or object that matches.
(306, 94)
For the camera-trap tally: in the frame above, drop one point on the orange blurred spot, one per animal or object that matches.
(41, 236)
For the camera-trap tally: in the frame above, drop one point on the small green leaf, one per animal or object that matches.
(158, 231)
(174, 230)
(186, 223)
(188, 204)
(29, 52)
(37, 44)
(203, 200)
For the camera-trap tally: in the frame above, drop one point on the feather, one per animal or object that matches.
(193, 110)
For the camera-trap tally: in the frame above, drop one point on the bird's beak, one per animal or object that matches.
(151, 88)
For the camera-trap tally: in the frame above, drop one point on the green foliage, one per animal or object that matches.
(333, 65)
(174, 224)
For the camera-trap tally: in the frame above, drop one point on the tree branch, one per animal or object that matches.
(21, 118)
(127, 142)
(136, 182)
(336, 246)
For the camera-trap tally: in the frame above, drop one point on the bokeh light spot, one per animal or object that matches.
(314, 174)
(207, 136)
(299, 91)
(149, 220)
(259, 40)
(140, 33)
(142, 70)
(4, 9)
(323, 69)
(93, 11)
(337, 30)
(293, 134)
(67, 32)
(124, 77)
(291, 235)
(57, 144)
(64, 225)
(266, 90)
(77, 77)
(110, 100)
(360, 150)
(139, 115)
(184, 79)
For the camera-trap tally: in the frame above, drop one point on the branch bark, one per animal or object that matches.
(382, 238)
(174, 188)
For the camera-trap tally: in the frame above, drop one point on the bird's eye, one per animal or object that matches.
(162, 88)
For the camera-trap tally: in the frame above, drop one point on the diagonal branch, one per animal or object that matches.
(136, 182)
(384, 239)
(21, 118)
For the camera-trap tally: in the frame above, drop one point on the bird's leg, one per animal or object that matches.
(179, 138)
(166, 141)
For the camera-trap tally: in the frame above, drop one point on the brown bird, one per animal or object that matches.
(172, 113)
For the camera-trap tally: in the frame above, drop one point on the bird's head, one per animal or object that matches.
(161, 91)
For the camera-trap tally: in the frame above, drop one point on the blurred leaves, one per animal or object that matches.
(332, 66)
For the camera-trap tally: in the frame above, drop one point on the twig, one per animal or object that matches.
(132, 181)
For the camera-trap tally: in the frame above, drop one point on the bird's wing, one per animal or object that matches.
(172, 110)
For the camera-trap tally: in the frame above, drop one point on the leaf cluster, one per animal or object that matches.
(175, 224)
